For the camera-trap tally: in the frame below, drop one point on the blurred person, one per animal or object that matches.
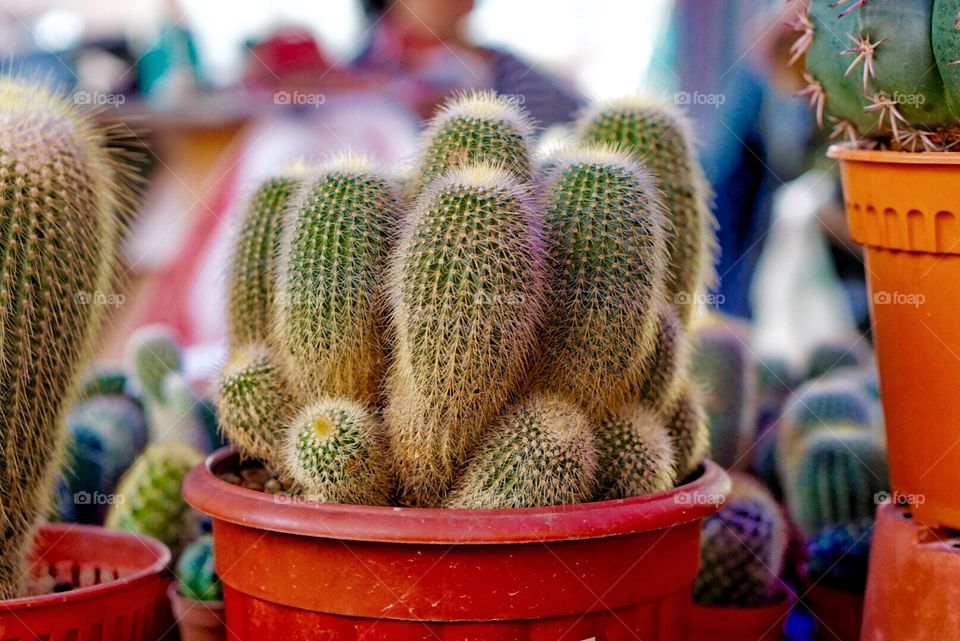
(421, 46)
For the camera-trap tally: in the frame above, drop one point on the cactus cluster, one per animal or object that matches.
(61, 185)
(196, 575)
(883, 71)
(499, 332)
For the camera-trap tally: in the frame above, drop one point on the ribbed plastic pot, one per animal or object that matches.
(912, 582)
(123, 595)
(904, 208)
(298, 570)
(197, 620)
(728, 623)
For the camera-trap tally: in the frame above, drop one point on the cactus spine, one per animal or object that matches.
(664, 379)
(689, 430)
(636, 454)
(466, 293)
(60, 185)
(541, 452)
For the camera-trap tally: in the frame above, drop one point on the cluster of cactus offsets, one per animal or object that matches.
(196, 574)
(837, 478)
(884, 69)
(148, 499)
(659, 138)
(486, 338)
(838, 555)
(725, 367)
(60, 188)
(742, 550)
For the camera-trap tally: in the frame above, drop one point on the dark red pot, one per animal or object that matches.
(838, 613)
(297, 570)
(729, 623)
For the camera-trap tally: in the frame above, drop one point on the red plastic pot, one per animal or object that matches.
(903, 207)
(297, 570)
(912, 584)
(122, 595)
(838, 613)
(728, 623)
(197, 620)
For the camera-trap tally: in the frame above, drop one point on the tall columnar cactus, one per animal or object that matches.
(724, 365)
(609, 252)
(742, 552)
(542, 452)
(837, 478)
(660, 138)
(467, 290)
(59, 189)
(475, 128)
(255, 403)
(253, 268)
(636, 454)
(885, 69)
(329, 305)
(148, 500)
(689, 430)
(196, 574)
(336, 451)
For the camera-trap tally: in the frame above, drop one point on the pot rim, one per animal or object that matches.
(695, 500)
(58, 531)
(847, 152)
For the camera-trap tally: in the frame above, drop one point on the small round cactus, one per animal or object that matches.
(336, 452)
(688, 428)
(636, 454)
(542, 452)
(196, 574)
(152, 353)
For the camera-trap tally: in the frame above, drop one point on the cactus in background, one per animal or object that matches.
(152, 352)
(196, 574)
(609, 253)
(743, 546)
(475, 128)
(838, 555)
(336, 452)
(255, 403)
(148, 499)
(837, 478)
(467, 290)
(329, 307)
(253, 268)
(661, 139)
(540, 453)
(636, 454)
(724, 367)
(828, 358)
(689, 431)
(102, 381)
(60, 186)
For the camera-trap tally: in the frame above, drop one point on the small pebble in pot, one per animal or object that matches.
(272, 486)
(231, 478)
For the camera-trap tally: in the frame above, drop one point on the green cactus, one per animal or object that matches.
(609, 252)
(466, 290)
(838, 555)
(148, 499)
(660, 138)
(689, 430)
(475, 128)
(667, 373)
(636, 454)
(60, 186)
(542, 452)
(253, 269)
(884, 69)
(152, 352)
(742, 550)
(724, 366)
(196, 574)
(102, 381)
(329, 307)
(336, 452)
(837, 478)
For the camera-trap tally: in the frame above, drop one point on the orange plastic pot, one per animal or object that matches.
(197, 620)
(904, 208)
(122, 595)
(912, 584)
(298, 570)
(757, 623)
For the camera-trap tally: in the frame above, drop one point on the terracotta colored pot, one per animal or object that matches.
(838, 614)
(912, 584)
(197, 620)
(122, 594)
(727, 623)
(294, 570)
(905, 209)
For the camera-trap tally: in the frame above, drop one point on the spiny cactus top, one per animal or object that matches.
(884, 69)
(60, 187)
(472, 128)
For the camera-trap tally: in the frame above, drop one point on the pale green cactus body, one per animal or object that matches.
(636, 454)
(688, 427)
